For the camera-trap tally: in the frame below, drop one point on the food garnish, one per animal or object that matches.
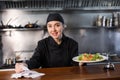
(90, 57)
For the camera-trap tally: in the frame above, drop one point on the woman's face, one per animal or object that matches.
(55, 29)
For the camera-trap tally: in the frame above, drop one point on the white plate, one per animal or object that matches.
(77, 60)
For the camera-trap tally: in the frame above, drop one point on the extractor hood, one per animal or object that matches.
(60, 4)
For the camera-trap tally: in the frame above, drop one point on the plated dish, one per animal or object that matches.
(88, 58)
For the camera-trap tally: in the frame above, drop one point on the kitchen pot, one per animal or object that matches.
(32, 25)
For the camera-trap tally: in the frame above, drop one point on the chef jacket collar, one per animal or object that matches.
(52, 41)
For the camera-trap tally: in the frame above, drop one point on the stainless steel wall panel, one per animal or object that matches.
(20, 41)
(79, 27)
(91, 40)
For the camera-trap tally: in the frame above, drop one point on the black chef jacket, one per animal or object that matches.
(49, 54)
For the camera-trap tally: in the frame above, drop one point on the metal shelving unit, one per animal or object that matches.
(61, 5)
(21, 29)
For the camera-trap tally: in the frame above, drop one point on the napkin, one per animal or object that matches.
(27, 73)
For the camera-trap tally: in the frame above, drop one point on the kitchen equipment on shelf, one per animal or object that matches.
(6, 25)
(32, 25)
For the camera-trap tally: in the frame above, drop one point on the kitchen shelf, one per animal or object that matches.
(94, 27)
(34, 29)
(21, 29)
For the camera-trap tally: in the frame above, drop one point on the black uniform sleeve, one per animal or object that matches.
(74, 52)
(37, 58)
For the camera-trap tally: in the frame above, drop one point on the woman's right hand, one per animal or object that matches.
(19, 67)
